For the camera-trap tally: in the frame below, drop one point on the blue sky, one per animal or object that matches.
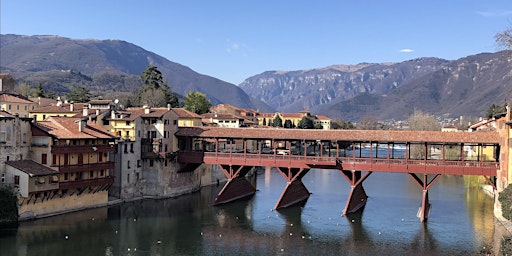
(233, 40)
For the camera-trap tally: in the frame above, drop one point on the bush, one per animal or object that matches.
(8, 205)
(505, 198)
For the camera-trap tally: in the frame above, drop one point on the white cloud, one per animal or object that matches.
(498, 13)
(237, 47)
(407, 50)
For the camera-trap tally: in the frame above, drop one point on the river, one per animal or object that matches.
(461, 223)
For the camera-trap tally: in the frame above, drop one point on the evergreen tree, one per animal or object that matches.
(305, 123)
(277, 122)
(155, 91)
(79, 94)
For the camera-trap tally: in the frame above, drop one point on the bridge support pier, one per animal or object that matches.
(424, 210)
(295, 191)
(237, 186)
(357, 197)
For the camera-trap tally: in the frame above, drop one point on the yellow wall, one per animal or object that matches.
(61, 205)
(42, 116)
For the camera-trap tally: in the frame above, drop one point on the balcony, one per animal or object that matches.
(86, 167)
(76, 149)
(87, 183)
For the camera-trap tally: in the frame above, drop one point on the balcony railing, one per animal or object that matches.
(75, 149)
(86, 183)
(86, 167)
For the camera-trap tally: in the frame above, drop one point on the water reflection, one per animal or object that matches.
(461, 223)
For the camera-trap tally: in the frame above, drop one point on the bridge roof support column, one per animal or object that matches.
(295, 191)
(357, 197)
(237, 186)
(424, 184)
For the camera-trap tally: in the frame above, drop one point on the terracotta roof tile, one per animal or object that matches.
(341, 135)
(32, 168)
(14, 98)
(181, 112)
(68, 128)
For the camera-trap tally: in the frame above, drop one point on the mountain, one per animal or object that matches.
(309, 89)
(467, 86)
(104, 66)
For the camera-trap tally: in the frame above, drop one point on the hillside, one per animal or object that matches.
(104, 66)
(467, 86)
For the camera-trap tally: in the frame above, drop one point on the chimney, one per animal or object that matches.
(112, 114)
(71, 106)
(85, 111)
(168, 106)
(97, 112)
(81, 125)
(147, 109)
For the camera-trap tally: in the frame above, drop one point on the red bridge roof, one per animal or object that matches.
(490, 137)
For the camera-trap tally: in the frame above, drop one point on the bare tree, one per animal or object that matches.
(420, 121)
(504, 39)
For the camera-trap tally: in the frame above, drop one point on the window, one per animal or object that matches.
(16, 179)
(166, 121)
(66, 176)
(137, 176)
(91, 174)
(175, 122)
(138, 163)
(3, 178)
(129, 164)
(151, 163)
(127, 123)
(128, 178)
(54, 159)
(102, 173)
(131, 147)
(44, 158)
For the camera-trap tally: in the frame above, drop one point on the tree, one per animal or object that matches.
(154, 91)
(305, 123)
(369, 123)
(504, 39)
(342, 125)
(277, 122)
(288, 124)
(79, 94)
(420, 121)
(196, 102)
(496, 110)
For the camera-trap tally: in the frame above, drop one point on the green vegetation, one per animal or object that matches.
(196, 102)
(505, 198)
(496, 110)
(277, 122)
(305, 123)
(9, 206)
(154, 91)
(79, 94)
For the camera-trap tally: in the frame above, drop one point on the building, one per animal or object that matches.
(70, 168)
(223, 120)
(146, 147)
(7, 83)
(187, 118)
(15, 141)
(291, 120)
(16, 104)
